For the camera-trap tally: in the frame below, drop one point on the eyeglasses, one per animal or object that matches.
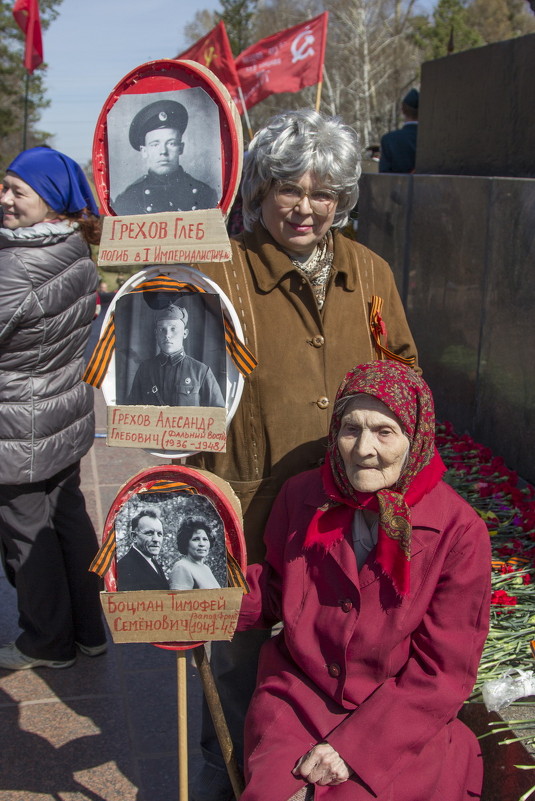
(288, 195)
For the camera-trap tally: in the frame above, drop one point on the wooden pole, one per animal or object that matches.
(318, 95)
(182, 699)
(246, 116)
(218, 717)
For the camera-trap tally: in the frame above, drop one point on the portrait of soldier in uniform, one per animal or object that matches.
(156, 132)
(172, 378)
(159, 153)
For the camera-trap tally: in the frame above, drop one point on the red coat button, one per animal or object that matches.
(334, 670)
(346, 605)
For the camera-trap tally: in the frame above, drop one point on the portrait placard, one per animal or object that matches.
(172, 558)
(164, 429)
(170, 238)
(168, 139)
(170, 363)
(166, 616)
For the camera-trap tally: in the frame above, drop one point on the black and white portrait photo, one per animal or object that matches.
(164, 152)
(170, 350)
(170, 540)
(139, 568)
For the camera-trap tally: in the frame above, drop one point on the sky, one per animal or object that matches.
(91, 46)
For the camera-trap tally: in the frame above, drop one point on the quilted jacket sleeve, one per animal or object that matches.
(16, 292)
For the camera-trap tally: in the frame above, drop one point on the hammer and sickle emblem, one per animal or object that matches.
(302, 46)
(209, 55)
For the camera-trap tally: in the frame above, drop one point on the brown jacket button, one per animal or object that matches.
(322, 403)
(318, 341)
(346, 605)
(334, 670)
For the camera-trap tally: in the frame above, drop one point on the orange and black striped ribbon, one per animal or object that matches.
(235, 574)
(516, 562)
(377, 328)
(98, 365)
(102, 561)
(100, 359)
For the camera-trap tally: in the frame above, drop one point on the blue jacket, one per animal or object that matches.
(398, 149)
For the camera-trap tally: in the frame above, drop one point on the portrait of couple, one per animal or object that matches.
(171, 544)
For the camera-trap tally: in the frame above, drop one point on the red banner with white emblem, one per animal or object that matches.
(213, 51)
(285, 62)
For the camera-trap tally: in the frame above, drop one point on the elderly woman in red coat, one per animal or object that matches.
(380, 573)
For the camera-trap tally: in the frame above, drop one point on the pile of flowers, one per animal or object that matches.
(508, 509)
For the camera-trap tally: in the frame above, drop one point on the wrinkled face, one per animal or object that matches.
(372, 444)
(162, 150)
(148, 537)
(21, 204)
(170, 335)
(199, 545)
(291, 220)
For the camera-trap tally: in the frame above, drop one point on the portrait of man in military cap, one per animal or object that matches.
(172, 377)
(156, 139)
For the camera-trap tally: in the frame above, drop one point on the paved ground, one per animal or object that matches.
(106, 729)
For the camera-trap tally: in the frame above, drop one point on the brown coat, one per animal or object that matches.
(283, 419)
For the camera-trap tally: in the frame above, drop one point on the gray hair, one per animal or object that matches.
(134, 523)
(296, 142)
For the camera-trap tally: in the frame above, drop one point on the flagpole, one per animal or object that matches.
(247, 121)
(322, 66)
(318, 95)
(25, 125)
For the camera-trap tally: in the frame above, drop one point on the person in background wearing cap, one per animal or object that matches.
(172, 378)
(47, 541)
(156, 131)
(398, 148)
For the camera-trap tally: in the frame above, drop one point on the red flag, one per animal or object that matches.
(26, 13)
(213, 51)
(285, 62)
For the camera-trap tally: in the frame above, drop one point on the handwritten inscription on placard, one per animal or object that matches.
(168, 428)
(167, 238)
(167, 616)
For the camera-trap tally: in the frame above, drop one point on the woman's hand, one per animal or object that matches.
(323, 765)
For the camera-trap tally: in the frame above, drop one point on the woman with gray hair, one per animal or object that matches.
(312, 303)
(322, 147)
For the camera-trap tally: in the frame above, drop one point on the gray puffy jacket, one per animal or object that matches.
(47, 302)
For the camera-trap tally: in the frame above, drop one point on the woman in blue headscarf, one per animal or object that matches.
(48, 218)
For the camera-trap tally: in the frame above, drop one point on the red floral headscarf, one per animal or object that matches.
(409, 398)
